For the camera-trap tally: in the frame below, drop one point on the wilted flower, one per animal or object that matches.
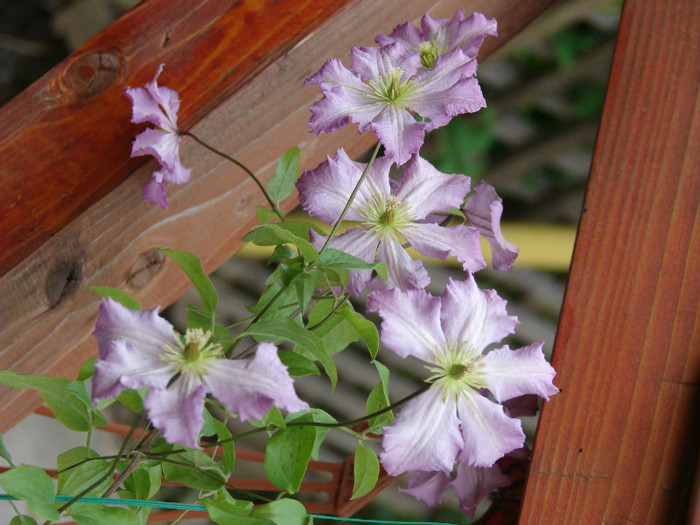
(454, 419)
(140, 348)
(483, 211)
(439, 36)
(388, 213)
(384, 88)
(158, 105)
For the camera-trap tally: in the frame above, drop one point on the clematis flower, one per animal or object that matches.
(483, 211)
(471, 485)
(389, 213)
(158, 105)
(140, 348)
(384, 88)
(454, 419)
(438, 36)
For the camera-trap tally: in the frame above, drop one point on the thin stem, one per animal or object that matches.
(273, 206)
(327, 425)
(352, 198)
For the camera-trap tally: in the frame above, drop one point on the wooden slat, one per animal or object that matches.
(620, 443)
(46, 312)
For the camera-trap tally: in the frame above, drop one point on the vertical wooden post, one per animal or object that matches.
(620, 443)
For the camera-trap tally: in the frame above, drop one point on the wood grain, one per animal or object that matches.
(619, 445)
(46, 310)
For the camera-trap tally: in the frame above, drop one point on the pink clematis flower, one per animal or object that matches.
(158, 105)
(439, 36)
(389, 213)
(454, 420)
(483, 211)
(384, 88)
(140, 348)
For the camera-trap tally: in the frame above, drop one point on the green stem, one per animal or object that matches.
(273, 206)
(350, 200)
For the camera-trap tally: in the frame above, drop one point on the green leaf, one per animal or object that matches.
(208, 425)
(305, 285)
(272, 234)
(87, 370)
(196, 319)
(70, 409)
(225, 513)
(287, 455)
(365, 328)
(335, 331)
(144, 482)
(192, 266)
(365, 470)
(133, 399)
(297, 365)
(90, 514)
(223, 495)
(378, 399)
(283, 512)
(319, 416)
(118, 295)
(281, 184)
(33, 485)
(274, 417)
(281, 252)
(305, 340)
(228, 456)
(195, 469)
(78, 388)
(4, 453)
(22, 520)
(77, 479)
(264, 214)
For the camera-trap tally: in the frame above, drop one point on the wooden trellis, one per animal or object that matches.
(619, 445)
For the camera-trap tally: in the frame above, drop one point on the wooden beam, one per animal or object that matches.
(107, 234)
(620, 443)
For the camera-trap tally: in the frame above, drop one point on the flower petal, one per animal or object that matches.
(474, 316)
(488, 433)
(410, 321)
(424, 436)
(472, 484)
(460, 241)
(123, 366)
(428, 487)
(376, 63)
(154, 192)
(483, 211)
(339, 105)
(250, 387)
(428, 190)
(143, 330)
(512, 373)
(403, 272)
(177, 410)
(400, 134)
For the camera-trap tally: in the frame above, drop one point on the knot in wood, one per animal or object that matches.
(145, 268)
(93, 73)
(63, 280)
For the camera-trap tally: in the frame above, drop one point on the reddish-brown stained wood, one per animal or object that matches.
(620, 443)
(64, 142)
(46, 310)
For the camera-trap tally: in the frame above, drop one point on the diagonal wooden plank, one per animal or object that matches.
(620, 443)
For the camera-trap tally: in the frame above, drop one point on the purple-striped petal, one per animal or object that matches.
(472, 484)
(250, 387)
(512, 373)
(488, 433)
(428, 487)
(462, 242)
(410, 321)
(424, 436)
(474, 316)
(483, 211)
(402, 271)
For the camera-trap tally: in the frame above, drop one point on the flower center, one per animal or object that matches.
(457, 369)
(194, 355)
(387, 216)
(429, 51)
(392, 89)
